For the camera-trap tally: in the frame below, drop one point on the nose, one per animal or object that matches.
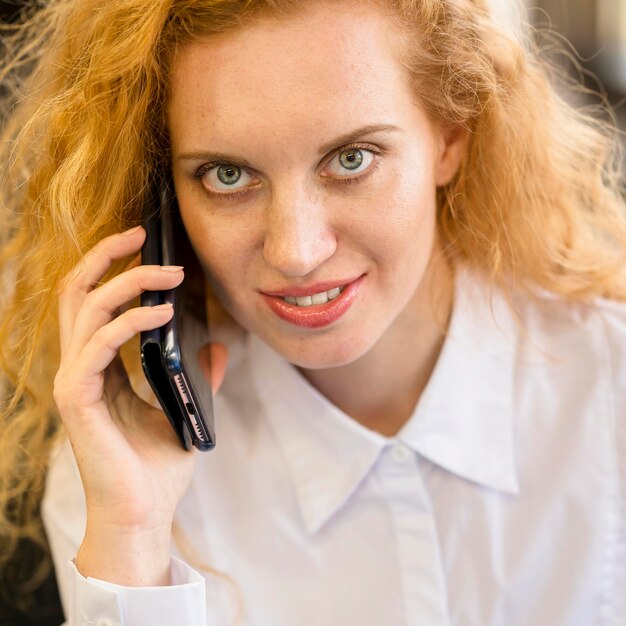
(298, 235)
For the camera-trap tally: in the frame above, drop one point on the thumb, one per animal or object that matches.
(212, 358)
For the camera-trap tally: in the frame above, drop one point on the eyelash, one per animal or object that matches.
(348, 180)
(228, 195)
(351, 180)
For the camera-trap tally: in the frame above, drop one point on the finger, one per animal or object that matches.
(104, 345)
(103, 304)
(88, 272)
(119, 394)
(134, 262)
(116, 379)
(213, 358)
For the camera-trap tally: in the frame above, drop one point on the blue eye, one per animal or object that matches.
(350, 161)
(225, 177)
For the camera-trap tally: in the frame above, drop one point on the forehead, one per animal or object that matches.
(333, 60)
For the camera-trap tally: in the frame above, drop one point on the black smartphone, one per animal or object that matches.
(169, 354)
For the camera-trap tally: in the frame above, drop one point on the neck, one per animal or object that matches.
(397, 368)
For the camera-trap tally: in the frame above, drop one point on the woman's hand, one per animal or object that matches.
(133, 468)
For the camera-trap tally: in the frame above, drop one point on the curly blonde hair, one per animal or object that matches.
(538, 201)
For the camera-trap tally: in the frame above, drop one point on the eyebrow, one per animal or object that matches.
(349, 137)
(353, 135)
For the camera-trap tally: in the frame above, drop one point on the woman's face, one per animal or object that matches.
(304, 167)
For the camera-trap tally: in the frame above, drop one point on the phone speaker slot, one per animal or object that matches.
(183, 392)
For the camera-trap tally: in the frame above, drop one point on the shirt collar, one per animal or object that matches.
(328, 453)
(463, 421)
(464, 418)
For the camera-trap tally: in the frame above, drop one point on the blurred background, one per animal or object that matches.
(596, 32)
(585, 38)
(592, 31)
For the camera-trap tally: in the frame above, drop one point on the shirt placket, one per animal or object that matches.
(419, 558)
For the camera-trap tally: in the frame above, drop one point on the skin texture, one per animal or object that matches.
(278, 110)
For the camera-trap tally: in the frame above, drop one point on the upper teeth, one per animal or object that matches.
(316, 298)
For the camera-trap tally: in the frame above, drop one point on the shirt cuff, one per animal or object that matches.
(94, 602)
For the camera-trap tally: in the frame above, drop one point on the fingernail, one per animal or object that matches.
(172, 268)
(130, 231)
(163, 307)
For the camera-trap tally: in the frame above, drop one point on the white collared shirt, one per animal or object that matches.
(502, 501)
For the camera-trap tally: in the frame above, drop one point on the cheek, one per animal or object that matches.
(405, 219)
(222, 249)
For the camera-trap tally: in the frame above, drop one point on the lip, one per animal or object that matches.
(309, 290)
(317, 315)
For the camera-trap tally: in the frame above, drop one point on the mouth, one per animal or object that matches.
(314, 306)
(317, 298)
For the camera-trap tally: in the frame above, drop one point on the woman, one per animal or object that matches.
(441, 441)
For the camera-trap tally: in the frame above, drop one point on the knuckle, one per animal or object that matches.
(87, 303)
(94, 301)
(96, 249)
(70, 283)
(60, 388)
(145, 274)
(67, 286)
(132, 317)
(89, 298)
(102, 338)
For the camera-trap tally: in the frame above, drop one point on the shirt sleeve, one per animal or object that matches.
(92, 602)
(99, 603)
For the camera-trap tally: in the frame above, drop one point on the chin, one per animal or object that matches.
(320, 352)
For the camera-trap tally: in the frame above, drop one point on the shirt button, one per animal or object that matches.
(103, 621)
(400, 453)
